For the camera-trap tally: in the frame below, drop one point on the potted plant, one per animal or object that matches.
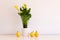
(25, 15)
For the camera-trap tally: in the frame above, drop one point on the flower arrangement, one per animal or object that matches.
(24, 12)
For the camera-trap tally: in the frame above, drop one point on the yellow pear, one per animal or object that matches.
(36, 34)
(32, 34)
(17, 34)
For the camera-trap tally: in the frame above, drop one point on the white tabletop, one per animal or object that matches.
(41, 37)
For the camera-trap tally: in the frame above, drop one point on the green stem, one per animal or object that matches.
(24, 25)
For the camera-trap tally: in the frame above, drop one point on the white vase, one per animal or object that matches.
(25, 31)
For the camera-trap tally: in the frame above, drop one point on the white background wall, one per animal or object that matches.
(45, 16)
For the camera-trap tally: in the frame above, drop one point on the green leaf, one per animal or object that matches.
(25, 15)
(28, 11)
(21, 9)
